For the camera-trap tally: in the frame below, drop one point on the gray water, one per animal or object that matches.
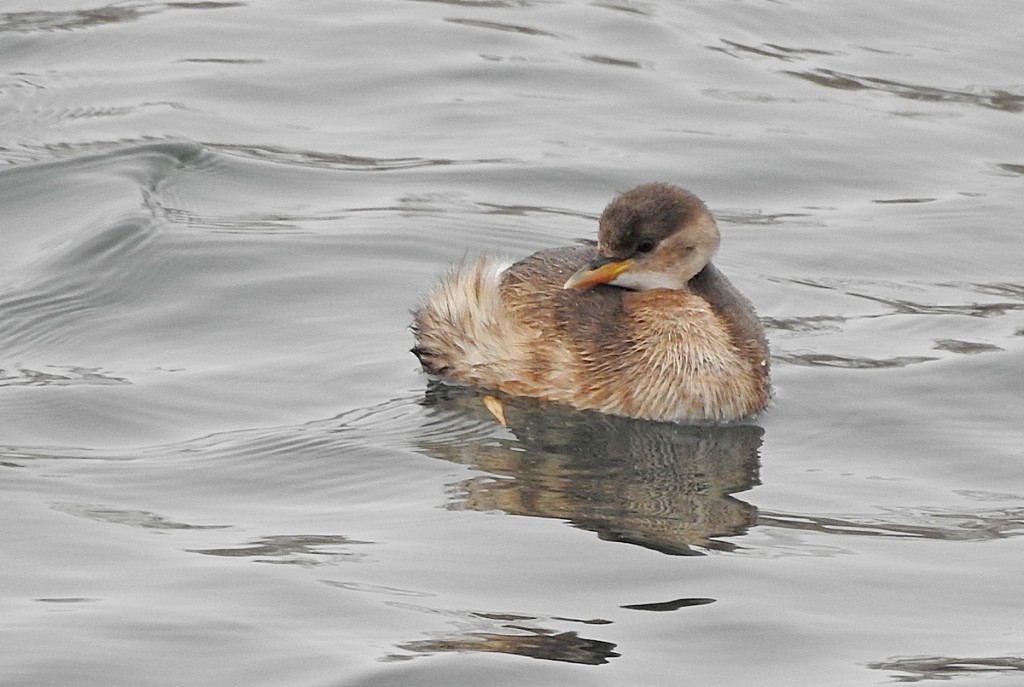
(219, 463)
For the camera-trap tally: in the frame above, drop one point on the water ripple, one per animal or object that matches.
(918, 523)
(119, 13)
(771, 50)
(615, 61)
(501, 26)
(322, 160)
(69, 289)
(994, 99)
(904, 306)
(34, 21)
(850, 362)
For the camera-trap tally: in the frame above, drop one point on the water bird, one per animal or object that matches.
(641, 325)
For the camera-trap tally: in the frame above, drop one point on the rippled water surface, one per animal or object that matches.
(221, 465)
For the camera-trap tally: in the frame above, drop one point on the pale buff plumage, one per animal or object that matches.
(596, 328)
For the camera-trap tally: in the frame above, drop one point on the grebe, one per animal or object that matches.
(641, 325)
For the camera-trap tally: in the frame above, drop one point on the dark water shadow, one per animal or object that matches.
(304, 550)
(920, 668)
(662, 486)
(131, 518)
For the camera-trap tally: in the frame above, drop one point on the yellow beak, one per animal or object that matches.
(599, 271)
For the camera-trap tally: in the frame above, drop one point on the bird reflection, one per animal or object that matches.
(665, 487)
(567, 647)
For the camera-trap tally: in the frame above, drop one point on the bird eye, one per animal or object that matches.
(645, 246)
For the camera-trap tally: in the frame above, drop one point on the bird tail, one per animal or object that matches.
(458, 327)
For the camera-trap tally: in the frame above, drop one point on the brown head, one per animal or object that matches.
(656, 236)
